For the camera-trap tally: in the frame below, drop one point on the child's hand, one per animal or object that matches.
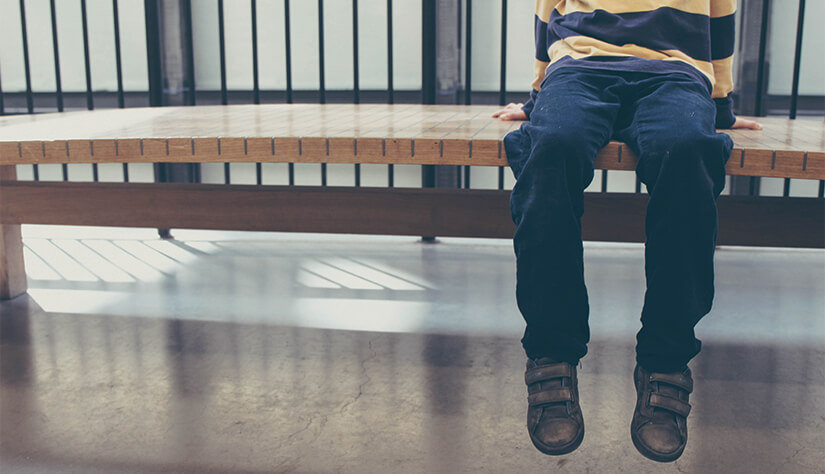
(511, 112)
(745, 123)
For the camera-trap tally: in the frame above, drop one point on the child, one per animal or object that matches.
(657, 76)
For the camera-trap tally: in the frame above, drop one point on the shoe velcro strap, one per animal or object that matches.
(679, 407)
(548, 372)
(557, 395)
(677, 380)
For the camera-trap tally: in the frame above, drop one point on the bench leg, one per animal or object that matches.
(12, 270)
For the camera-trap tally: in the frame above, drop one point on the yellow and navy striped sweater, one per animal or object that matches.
(691, 36)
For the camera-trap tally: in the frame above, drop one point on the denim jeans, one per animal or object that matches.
(667, 119)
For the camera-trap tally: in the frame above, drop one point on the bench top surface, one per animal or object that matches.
(424, 134)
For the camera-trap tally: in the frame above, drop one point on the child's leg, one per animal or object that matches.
(552, 159)
(682, 162)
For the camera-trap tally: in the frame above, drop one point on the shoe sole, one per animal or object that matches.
(653, 455)
(566, 449)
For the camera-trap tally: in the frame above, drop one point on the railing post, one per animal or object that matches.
(441, 75)
(754, 66)
(171, 74)
(154, 54)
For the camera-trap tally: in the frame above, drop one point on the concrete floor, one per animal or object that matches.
(237, 352)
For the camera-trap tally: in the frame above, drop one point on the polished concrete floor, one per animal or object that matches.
(233, 352)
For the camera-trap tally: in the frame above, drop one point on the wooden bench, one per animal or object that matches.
(388, 134)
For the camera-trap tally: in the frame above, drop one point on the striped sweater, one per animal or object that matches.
(691, 36)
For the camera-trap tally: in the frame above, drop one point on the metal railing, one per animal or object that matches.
(155, 95)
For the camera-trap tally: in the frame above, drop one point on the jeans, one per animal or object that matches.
(667, 120)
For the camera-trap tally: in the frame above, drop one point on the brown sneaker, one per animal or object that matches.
(554, 418)
(659, 426)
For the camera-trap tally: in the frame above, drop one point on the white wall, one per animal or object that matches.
(783, 18)
(338, 43)
(70, 44)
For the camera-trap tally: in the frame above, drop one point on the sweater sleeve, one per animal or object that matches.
(542, 16)
(722, 38)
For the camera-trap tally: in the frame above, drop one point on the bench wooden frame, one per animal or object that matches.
(400, 134)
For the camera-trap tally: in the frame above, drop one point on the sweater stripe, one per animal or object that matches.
(713, 8)
(722, 36)
(700, 33)
(661, 29)
(541, 40)
(722, 32)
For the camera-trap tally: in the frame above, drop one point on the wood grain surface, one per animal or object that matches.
(370, 133)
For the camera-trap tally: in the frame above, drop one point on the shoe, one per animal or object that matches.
(554, 418)
(659, 426)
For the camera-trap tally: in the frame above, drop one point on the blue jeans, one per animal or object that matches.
(668, 122)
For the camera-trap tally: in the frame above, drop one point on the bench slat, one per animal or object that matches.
(761, 221)
(371, 133)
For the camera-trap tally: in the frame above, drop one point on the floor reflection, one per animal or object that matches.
(123, 389)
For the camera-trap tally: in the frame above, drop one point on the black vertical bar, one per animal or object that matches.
(58, 84)
(390, 91)
(322, 93)
(797, 59)
(428, 51)
(464, 180)
(604, 181)
(2, 102)
(752, 191)
(502, 92)
(355, 82)
(120, 101)
(88, 67)
(786, 189)
(821, 192)
(255, 81)
(291, 173)
(763, 45)
(428, 74)
(224, 93)
(155, 76)
(258, 174)
(155, 72)
(288, 44)
(391, 175)
(189, 78)
(153, 52)
(468, 55)
(222, 40)
(638, 185)
(321, 84)
(29, 95)
(356, 98)
(89, 99)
